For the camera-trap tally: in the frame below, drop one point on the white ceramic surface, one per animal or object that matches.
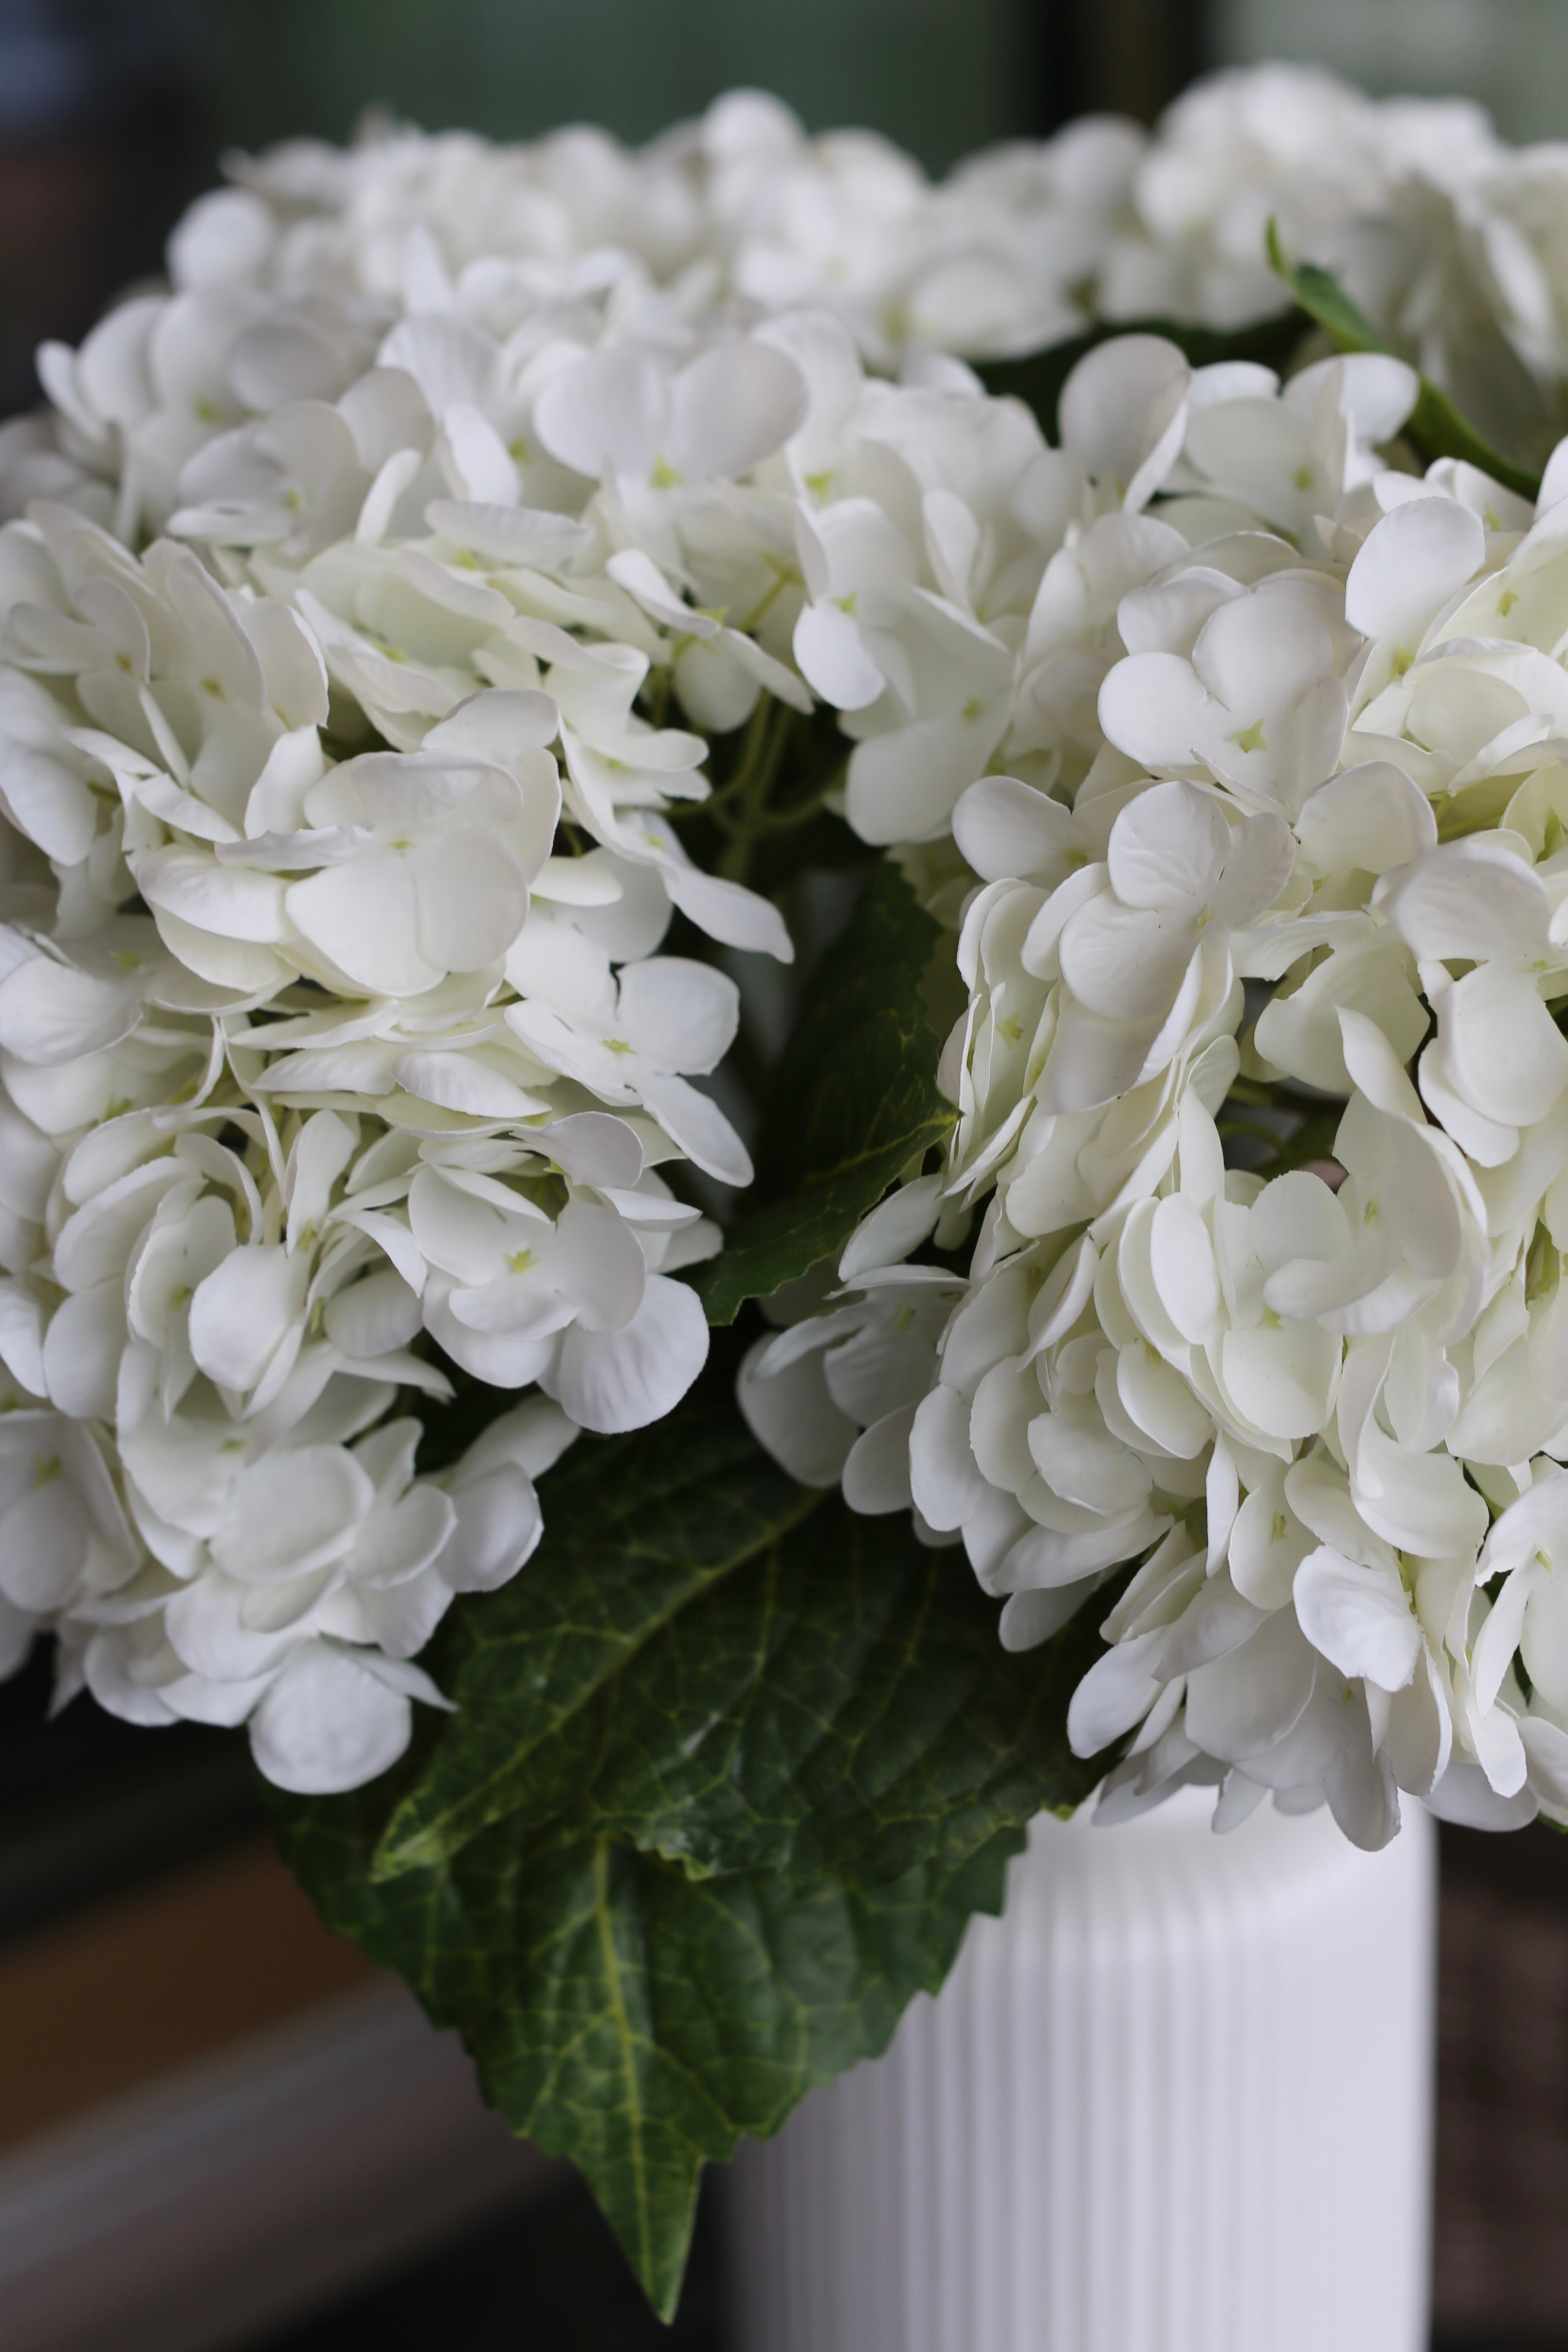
(1178, 2099)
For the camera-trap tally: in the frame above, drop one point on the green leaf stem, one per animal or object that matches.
(1436, 428)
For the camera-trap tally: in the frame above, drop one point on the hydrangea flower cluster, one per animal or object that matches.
(1264, 1090)
(369, 601)
(338, 1053)
(288, 281)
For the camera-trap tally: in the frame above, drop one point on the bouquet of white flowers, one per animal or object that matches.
(613, 860)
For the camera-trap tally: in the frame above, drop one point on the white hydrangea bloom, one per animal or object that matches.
(321, 1064)
(1450, 239)
(1317, 842)
(368, 602)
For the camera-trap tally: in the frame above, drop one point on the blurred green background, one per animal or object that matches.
(939, 76)
(942, 77)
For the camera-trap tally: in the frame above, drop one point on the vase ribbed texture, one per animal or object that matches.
(1178, 2099)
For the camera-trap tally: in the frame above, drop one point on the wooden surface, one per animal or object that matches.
(124, 1990)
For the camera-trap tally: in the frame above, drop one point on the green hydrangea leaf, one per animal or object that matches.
(1436, 428)
(625, 2015)
(852, 1102)
(842, 1704)
(730, 1770)
(734, 1674)
(638, 1527)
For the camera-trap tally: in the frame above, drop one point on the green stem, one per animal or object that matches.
(1313, 1122)
(1279, 1094)
(740, 781)
(658, 687)
(798, 812)
(784, 576)
(746, 793)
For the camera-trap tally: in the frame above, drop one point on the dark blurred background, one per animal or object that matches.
(112, 114)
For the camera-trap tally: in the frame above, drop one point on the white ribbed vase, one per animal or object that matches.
(1178, 2099)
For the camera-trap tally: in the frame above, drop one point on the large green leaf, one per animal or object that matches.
(1436, 428)
(728, 1771)
(638, 1527)
(629, 2016)
(737, 1675)
(852, 1101)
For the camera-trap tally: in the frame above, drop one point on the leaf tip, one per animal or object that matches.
(1275, 251)
(654, 2238)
